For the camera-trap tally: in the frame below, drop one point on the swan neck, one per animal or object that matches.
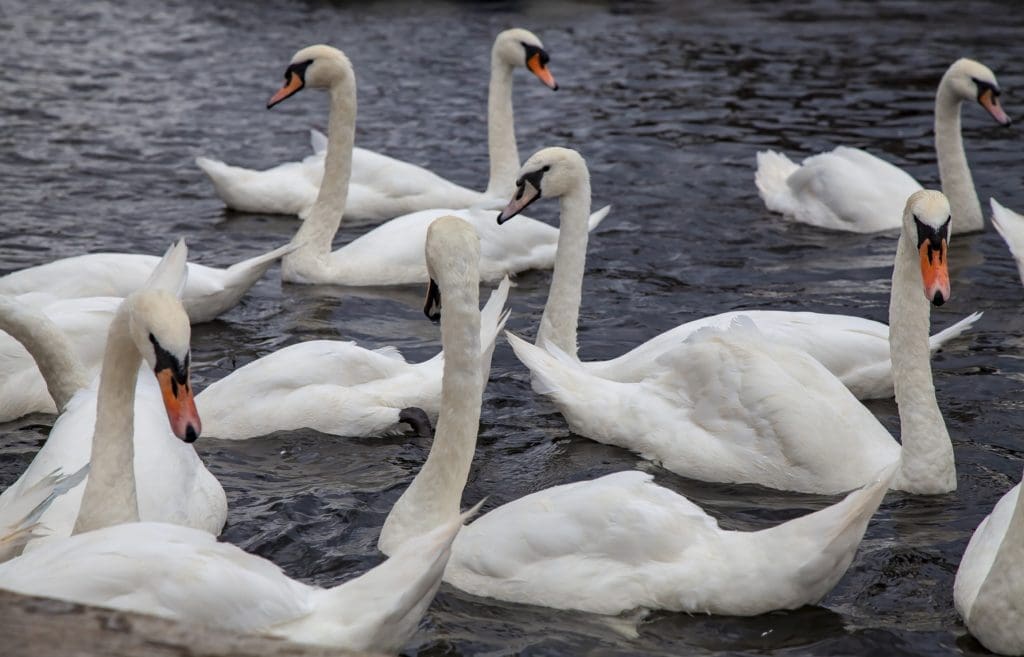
(927, 465)
(109, 497)
(561, 312)
(954, 172)
(501, 132)
(316, 233)
(49, 347)
(434, 496)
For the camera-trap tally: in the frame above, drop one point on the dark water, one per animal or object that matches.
(104, 106)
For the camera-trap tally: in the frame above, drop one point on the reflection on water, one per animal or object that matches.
(669, 102)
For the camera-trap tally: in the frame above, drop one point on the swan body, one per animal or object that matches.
(621, 542)
(612, 544)
(334, 387)
(850, 189)
(381, 186)
(733, 405)
(176, 486)
(392, 253)
(210, 291)
(187, 575)
(989, 586)
(853, 349)
(1011, 227)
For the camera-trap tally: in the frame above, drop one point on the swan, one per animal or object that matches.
(392, 253)
(734, 405)
(611, 544)
(210, 291)
(854, 349)
(335, 387)
(1010, 226)
(115, 560)
(988, 588)
(382, 187)
(19, 522)
(176, 486)
(850, 189)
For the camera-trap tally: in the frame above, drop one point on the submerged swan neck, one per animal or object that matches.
(501, 132)
(316, 233)
(51, 350)
(109, 497)
(927, 465)
(561, 312)
(954, 172)
(434, 496)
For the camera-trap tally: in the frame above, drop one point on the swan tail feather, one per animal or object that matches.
(1010, 226)
(317, 141)
(30, 507)
(551, 371)
(937, 341)
(494, 315)
(171, 273)
(773, 172)
(829, 538)
(249, 270)
(597, 217)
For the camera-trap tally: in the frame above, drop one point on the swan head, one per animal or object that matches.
(519, 47)
(971, 80)
(926, 220)
(550, 172)
(160, 330)
(453, 260)
(316, 66)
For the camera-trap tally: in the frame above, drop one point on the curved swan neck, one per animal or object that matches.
(954, 172)
(109, 497)
(316, 233)
(927, 465)
(501, 132)
(56, 359)
(561, 312)
(434, 496)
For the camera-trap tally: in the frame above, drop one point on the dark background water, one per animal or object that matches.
(105, 105)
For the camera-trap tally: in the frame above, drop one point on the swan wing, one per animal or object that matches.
(289, 188)
(981, 552)
(1011, 227)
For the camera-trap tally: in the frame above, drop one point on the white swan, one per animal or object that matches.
(382, 187)
(989, 588)
(734, 405)
(176, 487)
(612, 544)
(392, 253)
(335, 387)
(114, 560)
(1011, 227)
(210, 291)
(854, 349)
(850, 189)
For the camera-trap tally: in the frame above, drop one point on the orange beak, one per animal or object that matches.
(541, 71)
(990, 102)
(292, 84)
(181, 407)
(934, 272)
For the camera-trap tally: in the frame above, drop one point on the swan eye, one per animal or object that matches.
(547, 167)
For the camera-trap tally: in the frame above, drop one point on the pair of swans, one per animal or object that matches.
(850, 189)
(174, 486)
(331, 386)
(612, 544)
(382, 187)
(758, 401)
(392, 253)
(114, 559)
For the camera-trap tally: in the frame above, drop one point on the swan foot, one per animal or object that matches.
(417, 419)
